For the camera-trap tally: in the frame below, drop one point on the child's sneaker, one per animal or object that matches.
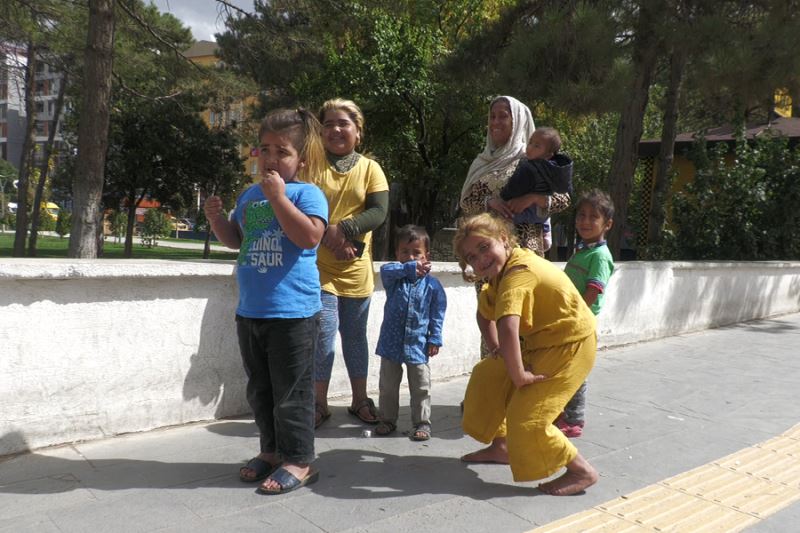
(572, 431)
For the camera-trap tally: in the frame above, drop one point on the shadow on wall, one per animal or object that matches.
(215, 376)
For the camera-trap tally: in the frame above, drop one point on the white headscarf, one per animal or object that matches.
(493, 158)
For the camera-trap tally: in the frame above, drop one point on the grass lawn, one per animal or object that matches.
(56, 247)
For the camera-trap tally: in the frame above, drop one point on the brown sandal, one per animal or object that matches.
(370, 405)
(385, 428)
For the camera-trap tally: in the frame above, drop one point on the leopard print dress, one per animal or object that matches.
(488, 187)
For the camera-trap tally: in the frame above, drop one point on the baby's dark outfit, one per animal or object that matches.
(541, 176)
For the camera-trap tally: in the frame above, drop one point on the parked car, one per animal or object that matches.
(184, 224)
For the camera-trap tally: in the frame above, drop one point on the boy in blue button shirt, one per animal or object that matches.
(411, 332)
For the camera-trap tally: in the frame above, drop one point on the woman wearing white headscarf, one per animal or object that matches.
(510, 127)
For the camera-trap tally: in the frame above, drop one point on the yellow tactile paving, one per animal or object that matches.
(726, 495)
(782, 445)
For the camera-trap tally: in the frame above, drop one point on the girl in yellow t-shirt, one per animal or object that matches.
(541, 338)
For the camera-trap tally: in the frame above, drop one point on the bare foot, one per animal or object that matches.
(496, 452)
(298, 471)
(579, 476)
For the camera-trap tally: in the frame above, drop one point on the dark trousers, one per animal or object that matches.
(278, 357)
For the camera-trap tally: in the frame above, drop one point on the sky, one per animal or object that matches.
(202, 16)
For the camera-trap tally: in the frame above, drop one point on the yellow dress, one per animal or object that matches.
(557, 338)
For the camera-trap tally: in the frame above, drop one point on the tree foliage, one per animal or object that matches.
(740, 205)
(390, 57)
(162, 150)
(156, 224)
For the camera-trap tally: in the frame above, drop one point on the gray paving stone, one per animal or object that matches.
(654, 410)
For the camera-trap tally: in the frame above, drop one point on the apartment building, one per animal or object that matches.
(13, 117)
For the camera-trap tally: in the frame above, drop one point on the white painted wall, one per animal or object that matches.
(90, 349)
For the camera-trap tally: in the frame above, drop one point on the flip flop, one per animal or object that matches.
(288, 481)
(261, 468)
(424, 430)
(369, 404)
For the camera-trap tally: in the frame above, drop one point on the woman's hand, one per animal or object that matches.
(334, 238)
(521, 203)
(500, 207)
(347, 252)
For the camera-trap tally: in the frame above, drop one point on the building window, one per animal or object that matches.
(39, 106)
(40, 128)
(3, 111)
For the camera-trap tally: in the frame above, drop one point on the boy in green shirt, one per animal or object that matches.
(589, 268)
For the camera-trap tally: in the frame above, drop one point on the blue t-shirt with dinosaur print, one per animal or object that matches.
(277, 278)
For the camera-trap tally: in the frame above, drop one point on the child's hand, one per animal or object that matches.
(432, 350)
(528, 378)
(423, 267)
(272, 185)
(213, 208)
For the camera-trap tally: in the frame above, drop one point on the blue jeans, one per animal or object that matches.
(278, 357)
(349, 317)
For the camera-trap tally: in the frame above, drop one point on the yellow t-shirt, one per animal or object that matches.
(346, 194)
(551, 310)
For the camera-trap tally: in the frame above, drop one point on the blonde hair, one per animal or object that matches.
(302, 129)
(349, 107)
(483, 225)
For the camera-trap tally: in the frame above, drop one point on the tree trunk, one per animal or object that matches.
(132, 203)
(207, 244)
(667, 148)
(28, 146)
(45, 167)
(93, 130)
(629, 130)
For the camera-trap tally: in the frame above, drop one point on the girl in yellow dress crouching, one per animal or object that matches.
(542, 342)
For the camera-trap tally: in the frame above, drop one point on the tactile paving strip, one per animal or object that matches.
(726, 495)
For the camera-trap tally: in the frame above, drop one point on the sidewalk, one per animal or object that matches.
(655, 410)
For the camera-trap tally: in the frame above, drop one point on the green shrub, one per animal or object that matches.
(64, 223)
(156, 224)
(10, 220)
(46, 221)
